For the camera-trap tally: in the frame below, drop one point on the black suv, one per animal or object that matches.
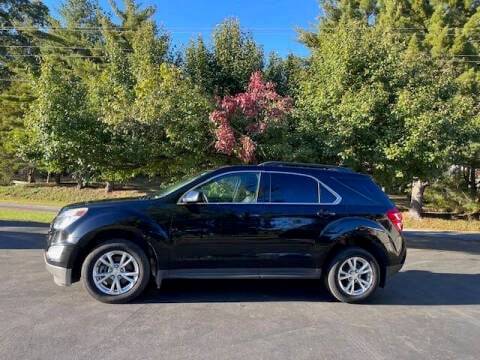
(273, 220)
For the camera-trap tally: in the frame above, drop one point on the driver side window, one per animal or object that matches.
(241, 187)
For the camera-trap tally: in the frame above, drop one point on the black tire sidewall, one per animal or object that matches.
(112, 245)
(334, 267)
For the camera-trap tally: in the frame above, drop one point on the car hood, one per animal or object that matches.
(135, 202)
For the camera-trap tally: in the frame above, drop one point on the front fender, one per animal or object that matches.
(129, 221)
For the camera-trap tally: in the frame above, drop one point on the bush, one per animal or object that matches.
(447, 195)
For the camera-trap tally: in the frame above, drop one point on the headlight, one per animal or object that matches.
(68, 217)
(54, 252)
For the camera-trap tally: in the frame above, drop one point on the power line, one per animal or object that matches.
(50, 47)
(57, 54)
(102, 49)
(32, 28)
(192, 29)
(120, 28)
(259, 31)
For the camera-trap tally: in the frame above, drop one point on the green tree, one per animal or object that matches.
(80, 13)
(199, 65)
(77, 15)
(444, 33)
(156, 118)
(60, 124)
(13, 102)
(132, 16)
(373, 102)
(237, 57)
(19, 21)
(225, 69)
(284, 73)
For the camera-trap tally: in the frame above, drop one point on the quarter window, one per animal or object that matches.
(326, 196)
(291, 188)
(232, 188)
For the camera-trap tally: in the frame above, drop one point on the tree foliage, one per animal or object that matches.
(226, 68)
(152, 112)
(390, 87)
(30, 15)
(244, 117)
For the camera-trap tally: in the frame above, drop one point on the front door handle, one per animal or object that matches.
(322, 213)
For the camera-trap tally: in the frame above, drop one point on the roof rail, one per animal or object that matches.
(305, 165)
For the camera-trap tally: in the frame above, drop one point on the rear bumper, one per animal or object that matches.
(393, 269)
(61, 276)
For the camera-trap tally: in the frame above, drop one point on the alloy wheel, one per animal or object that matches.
(115, 272)
(355, 276)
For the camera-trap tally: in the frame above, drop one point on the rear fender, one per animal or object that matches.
(362, 232)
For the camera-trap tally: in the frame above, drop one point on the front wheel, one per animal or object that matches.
(353, 275)
(117, 271)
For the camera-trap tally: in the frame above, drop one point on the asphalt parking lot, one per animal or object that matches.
(431, 310)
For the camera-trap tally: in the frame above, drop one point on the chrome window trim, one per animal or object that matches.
(258, 188)
(338, 198)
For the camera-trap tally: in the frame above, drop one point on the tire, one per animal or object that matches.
(129, 285)
(364, 284)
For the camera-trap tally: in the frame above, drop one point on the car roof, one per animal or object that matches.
(296, 165)
(301, 168)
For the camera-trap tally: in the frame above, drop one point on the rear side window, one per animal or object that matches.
(291, 188)
(326, 196)
(358, 190)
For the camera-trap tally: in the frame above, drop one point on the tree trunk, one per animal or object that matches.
(31, 175)
(473, 181)
(58, 178)
(416, 198)
(48, 177)
(466, 173)
(109, 186)
(80, 184)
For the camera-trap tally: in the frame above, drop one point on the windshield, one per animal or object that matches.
(177, 185)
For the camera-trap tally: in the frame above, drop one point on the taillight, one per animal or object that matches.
(396, 218)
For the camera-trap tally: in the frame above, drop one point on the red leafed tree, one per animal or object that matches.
(240, 119)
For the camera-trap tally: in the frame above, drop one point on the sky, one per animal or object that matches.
(271, 22)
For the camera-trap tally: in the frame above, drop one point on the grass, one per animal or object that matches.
(440, 224)
(25, 215)
(58, 195)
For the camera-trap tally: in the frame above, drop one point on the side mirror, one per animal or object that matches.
(192, 197)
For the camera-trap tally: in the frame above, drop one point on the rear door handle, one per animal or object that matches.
(322, 213)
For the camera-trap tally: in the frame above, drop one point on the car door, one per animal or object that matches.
(220, 231)
(291, 224)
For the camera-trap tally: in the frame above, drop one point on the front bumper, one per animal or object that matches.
(61, 276)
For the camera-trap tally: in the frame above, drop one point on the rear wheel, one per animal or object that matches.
(116, 271)
(353, 275)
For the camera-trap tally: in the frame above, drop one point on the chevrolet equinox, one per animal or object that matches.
(273, 220)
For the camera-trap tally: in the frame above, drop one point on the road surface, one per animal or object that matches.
(431, 310)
